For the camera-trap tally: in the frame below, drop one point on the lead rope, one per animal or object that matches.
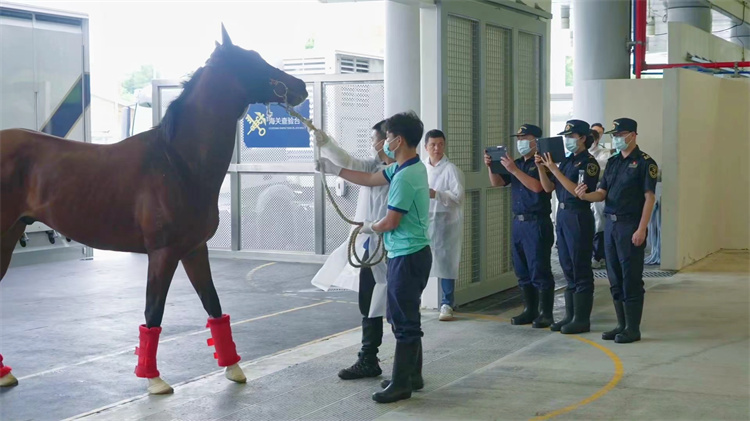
(353, 258)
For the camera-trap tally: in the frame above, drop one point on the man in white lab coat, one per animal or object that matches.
(602, 154)
(369, 282)
(446, 218)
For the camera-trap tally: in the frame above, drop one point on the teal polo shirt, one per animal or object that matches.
(409, 194)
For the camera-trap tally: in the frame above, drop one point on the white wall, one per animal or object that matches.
(684, 39)
(706, 198)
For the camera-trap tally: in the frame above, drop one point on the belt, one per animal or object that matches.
(620, 218)
(576, 207)
(526, 217)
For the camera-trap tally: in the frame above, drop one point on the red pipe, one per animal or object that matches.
(706, 65)
(640, 37)
(640, 48)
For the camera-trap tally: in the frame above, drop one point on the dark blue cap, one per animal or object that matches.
(527, 129)
(624, 125)
(575, 126)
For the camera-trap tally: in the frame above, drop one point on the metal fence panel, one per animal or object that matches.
(277, 212)
(222, 239)
(529, 78)
(464, 109)
(469, 267)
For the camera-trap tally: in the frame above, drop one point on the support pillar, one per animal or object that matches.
(601, 31)
(402, 54)
(693, 12)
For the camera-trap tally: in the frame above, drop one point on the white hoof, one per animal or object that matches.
(8, 380)
(235, 374)
(157, 386)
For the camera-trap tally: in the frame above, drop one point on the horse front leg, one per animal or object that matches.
(161, 267)
(6, 378)
(199, 272)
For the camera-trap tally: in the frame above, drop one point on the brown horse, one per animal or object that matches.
(155, 193)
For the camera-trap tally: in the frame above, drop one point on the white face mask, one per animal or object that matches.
(571, 146)
(619, 142)
(523, 146)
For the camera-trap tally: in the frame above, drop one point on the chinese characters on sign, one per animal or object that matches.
(277, 129)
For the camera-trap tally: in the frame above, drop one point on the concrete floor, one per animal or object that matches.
(692, 364)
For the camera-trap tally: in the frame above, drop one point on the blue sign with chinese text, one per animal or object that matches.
(277, 129)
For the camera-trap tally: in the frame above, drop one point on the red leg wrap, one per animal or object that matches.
(146, 352)
(221, 339)
(4, 369)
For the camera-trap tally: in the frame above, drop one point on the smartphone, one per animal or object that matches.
(581, 174)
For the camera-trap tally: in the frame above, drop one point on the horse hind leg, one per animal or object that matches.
(198, 270)
(8, 241)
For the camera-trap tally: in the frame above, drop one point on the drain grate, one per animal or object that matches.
(602, 274)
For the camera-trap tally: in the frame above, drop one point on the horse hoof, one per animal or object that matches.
(157, 386)
(8, 380)
(235, 374)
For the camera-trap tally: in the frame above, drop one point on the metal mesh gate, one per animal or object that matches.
(349, 111)
(469, 267)
(223, 237)
(463, 127)
(529, 78)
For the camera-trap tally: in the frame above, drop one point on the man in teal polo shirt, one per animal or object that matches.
(404, 231)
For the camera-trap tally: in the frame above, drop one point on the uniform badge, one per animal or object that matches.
(633, 164)
(568, 127)
(653, 171)
(578, 164)
(592, 169)
(646, 156)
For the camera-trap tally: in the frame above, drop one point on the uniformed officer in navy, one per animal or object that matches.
(628, 186)
(532, 232)
(574, 223)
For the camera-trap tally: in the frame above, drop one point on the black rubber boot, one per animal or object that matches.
(555, 327)
(546, 303)
(404, 363)
(632, 332)
(620, 312)
(366, 366)
(417, 381)
(530, 307)
(582, 303)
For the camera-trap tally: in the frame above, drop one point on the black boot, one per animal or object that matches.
(632, 332)
(404, 363)
(620, 312)
(417, 381)
(582, 303)
(546, 302)
(530, 307)
(555, 327)
(367, 363)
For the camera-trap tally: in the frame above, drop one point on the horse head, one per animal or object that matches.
(259, 81)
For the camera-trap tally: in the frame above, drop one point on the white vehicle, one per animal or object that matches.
(44, 86)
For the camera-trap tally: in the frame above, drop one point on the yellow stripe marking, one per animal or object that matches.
(252, 272)
(601, 392)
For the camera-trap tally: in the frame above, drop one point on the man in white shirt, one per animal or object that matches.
(446, 218)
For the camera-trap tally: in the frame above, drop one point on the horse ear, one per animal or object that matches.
(217, 44)
(225, 40)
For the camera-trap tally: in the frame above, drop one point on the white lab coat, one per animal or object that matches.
(371, 206)
(446, 217)
(602, 155)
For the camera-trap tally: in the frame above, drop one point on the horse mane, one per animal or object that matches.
(168, 124)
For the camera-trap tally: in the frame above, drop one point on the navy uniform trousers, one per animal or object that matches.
(532, 251)
(624, 260)
(575, 234)
(407, 278)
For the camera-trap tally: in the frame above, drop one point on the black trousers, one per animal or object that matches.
(407, 278)
(372, 328)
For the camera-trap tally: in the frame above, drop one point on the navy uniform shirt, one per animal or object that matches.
(571, 168)
(524, 200)
(626, 181)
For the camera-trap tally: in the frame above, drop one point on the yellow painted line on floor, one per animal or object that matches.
(601, 392)
(252, 272)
